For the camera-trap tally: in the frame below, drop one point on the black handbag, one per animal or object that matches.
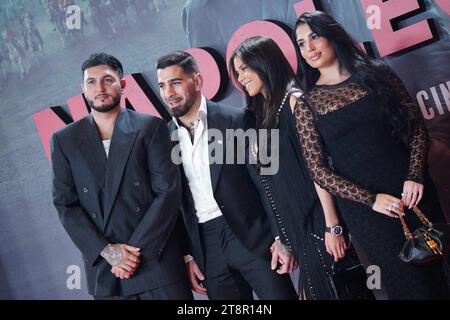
(348, 279)
(427, 244)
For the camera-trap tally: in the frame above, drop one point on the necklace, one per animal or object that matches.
(192, 127)
(193, 124)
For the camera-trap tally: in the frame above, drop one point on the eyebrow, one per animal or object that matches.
(308, 36)
(170, 80)
(242, 65)
(105, 76)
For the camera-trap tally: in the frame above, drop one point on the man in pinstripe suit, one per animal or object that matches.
(118, 193)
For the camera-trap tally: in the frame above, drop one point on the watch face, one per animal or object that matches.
(337, 230)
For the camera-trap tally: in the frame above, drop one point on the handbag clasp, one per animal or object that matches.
(431, 244)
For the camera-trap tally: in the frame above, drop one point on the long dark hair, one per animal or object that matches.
(262, 55)
(368, 73)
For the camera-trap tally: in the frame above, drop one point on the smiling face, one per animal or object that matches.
(102, 88)
(248, 78)
(179, 90)
(317, 51)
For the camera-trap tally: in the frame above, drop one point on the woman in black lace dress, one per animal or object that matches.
(268, 82)
(365, 142)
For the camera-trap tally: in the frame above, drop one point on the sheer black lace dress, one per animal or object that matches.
(350, 152)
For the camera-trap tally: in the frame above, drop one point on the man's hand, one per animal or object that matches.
(282, 255)
(121, 273)
(123, 258)
(194, 275)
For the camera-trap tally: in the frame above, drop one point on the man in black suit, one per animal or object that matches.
(118, 194)
(229, 233)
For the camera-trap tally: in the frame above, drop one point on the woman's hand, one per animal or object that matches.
(412, 193)
(389, 205)
(335, 245)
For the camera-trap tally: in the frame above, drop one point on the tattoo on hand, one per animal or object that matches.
(113, 254)
(283, 248)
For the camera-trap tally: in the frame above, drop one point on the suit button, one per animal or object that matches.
(137, 183)
(94, 215)
(138, 209)
(85, 190)
(222, 207)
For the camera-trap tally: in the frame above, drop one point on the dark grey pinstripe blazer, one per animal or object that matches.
(132, 197)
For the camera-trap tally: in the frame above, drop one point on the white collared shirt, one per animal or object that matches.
(106, 145)
(195, 158)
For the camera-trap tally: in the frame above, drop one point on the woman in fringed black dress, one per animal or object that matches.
(268, 82)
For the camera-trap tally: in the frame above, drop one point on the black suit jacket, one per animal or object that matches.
(132, 197)
(233, 191)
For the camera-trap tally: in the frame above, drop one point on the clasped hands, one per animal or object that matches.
(283, 261)
(123, 258)
(393, 206)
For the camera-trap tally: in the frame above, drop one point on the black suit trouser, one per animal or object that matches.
(232, 271)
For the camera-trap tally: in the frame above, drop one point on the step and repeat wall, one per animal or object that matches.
(44, 42)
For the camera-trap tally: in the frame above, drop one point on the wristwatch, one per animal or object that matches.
(336, 230)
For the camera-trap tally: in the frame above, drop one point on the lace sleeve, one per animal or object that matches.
(316, 160)
(418, 142)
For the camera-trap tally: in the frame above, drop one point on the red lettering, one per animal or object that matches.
(138, 95)
(47, 122)
(213, 70)
(388, 40)
(444, 5)
(305, 5)
(77, 107)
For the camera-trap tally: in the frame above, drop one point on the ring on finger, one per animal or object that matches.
(390, 208)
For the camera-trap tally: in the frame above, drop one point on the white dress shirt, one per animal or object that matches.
(195, 158)
(106, 145)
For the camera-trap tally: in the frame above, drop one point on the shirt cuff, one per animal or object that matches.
(188, 258)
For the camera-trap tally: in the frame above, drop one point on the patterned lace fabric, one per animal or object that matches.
(419, 135)
(327, 99)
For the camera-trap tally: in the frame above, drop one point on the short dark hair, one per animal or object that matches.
(100, 59)
(178, 58)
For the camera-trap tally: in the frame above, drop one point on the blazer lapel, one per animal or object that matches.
(122, 142)
(216, 121)
(91, 147)
(188, 202)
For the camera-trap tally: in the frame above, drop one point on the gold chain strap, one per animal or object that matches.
(422, 217)
(406, 230)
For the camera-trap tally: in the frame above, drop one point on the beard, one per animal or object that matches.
(184, 108)
(105, 107)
